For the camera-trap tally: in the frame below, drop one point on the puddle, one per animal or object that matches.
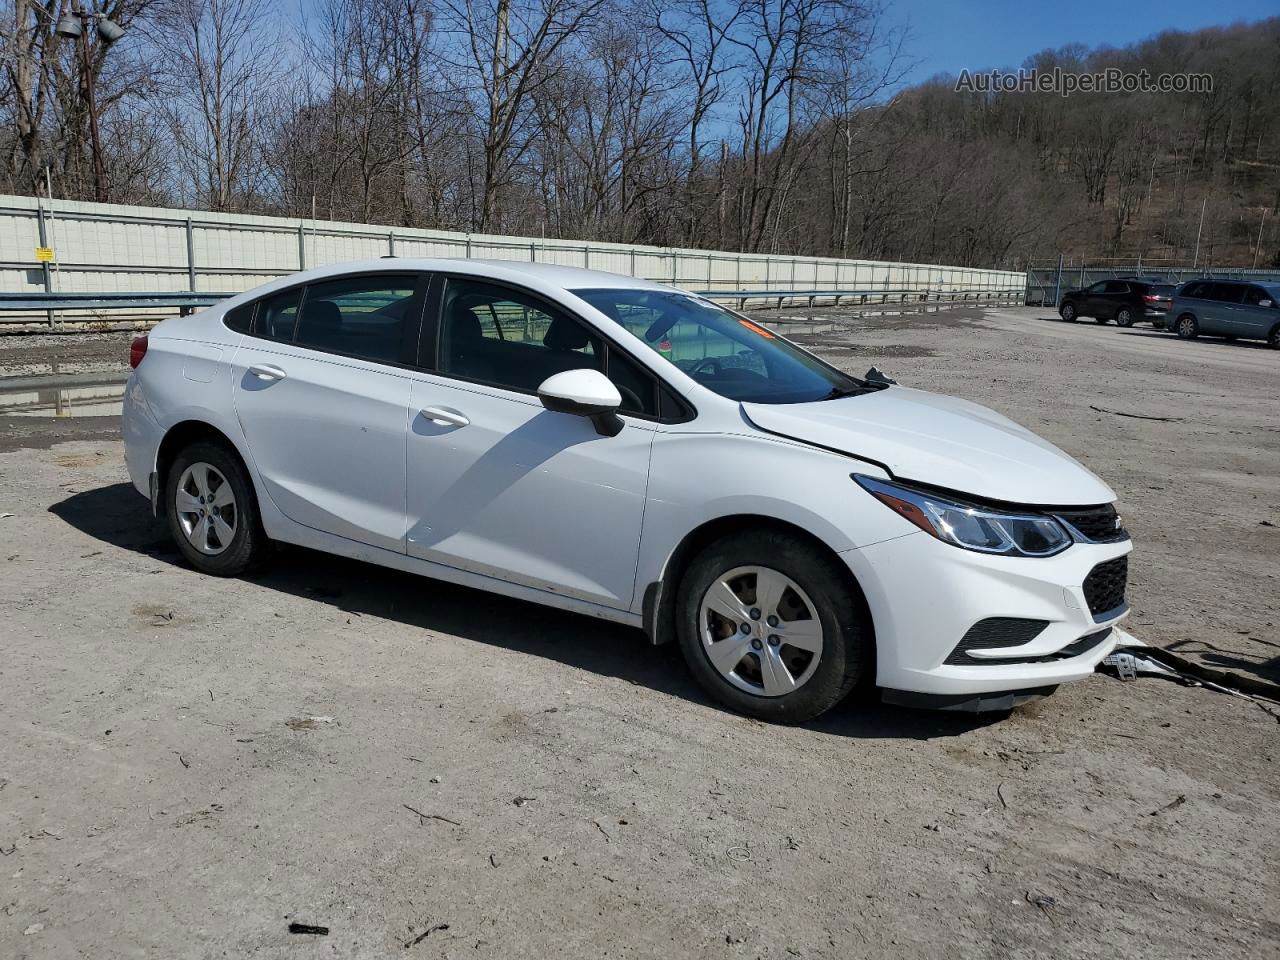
(58, 368)
(85, 395)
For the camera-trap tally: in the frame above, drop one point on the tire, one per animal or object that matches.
(1124, 317)
(211, 468)
(1273, 341)
(1188, 327)
(1068, 312)
(814, 598)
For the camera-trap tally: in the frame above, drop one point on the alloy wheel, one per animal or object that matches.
(1186, 326)
(760, 631)
(206, 508)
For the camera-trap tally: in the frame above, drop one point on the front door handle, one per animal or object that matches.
(267, 371)
(448, 418)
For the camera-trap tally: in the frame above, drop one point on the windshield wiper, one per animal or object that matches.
(838, 392)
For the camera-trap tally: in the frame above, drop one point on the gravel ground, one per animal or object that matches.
(189, 764)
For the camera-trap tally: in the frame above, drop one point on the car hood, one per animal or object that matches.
(942, 441)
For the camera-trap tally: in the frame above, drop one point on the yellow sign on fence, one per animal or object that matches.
(44, 254)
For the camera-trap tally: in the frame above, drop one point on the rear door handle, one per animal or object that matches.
(449, 418)
(267, 371)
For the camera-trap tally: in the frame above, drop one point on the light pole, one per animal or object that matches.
(75, 25)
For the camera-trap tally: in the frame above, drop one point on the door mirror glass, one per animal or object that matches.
(1265, 303)
(584, 393)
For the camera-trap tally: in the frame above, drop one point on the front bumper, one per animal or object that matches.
(924, 595)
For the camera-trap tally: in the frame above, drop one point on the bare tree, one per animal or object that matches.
(507, 51)
(221, 63)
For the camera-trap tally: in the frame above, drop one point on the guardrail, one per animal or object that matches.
(53, 304)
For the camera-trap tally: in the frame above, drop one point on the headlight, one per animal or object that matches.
(970, 526)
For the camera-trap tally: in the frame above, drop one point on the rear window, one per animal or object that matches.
(1163, 290)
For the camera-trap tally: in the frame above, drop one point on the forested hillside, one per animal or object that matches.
(772, 125)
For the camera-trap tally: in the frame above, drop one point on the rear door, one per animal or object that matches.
(322, 392)
(500, 486)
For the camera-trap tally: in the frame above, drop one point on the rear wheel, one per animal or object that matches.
(212, 512)
(1068, 311)
(1273, 341)
(769, 627)
(1188, 328)
(1124, 317)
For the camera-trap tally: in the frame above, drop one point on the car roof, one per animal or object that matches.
(550, 274)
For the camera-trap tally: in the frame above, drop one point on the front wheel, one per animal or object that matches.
(770, 628)
(1273, 341)
(1068, 312)
(1188, 328)
(212, 512)
(1124, 317)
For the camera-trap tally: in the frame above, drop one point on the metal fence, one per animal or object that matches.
(108, 248)
(1047, 280)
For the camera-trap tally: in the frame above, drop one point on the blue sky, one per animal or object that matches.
(949, 35)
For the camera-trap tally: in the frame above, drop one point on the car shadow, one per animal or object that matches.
(1207, 339)
(118, 516)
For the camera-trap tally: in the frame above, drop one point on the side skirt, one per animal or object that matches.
(294, 533)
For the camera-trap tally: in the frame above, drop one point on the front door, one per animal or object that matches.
(1251, 318)
(500, 486)
(323, 407)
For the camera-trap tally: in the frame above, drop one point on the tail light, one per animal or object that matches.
(137, 350)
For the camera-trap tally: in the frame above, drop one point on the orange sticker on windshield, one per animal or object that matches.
(756, 328)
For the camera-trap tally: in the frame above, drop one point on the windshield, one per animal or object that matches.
(722, 350)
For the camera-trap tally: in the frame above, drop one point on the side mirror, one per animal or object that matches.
(584, 393)
(1265, 303)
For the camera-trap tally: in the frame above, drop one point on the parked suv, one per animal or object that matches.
(1125, 300)
(1227, 308)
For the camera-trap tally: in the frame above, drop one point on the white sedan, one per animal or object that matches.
(629, 451)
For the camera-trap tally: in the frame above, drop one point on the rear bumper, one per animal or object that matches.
(924, 596)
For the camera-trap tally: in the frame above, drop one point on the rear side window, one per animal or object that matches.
(278, 315)
(240, 319)
(364, 317)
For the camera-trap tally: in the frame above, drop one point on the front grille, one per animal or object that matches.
(1096, 524)
(1104, 587)
(992, 633)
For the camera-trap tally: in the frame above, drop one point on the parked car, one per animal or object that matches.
(629, 451)
(1227, 308)
(1125, 300)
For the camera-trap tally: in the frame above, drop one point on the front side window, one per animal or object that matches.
(724, 351)
(1116, 286)
(1098, 287)
(508, 338)
(1254, 296)
(362, 317)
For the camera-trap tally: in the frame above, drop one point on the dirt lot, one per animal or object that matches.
(189, 764)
